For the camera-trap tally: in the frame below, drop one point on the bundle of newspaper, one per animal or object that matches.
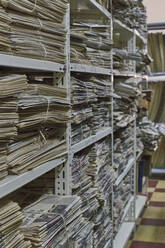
(103, 230)
(40, 137)
(91, 110)
(80, 181)
(122, 194)
(100, 170)
(10, 87)
(132, 13)
(5, 20)
(123, 149)
(125, 60)
(125, 102)
(52, 221)
(10, 220)
(84, 236)
(149, 134)
(36, 28)
(91, 44)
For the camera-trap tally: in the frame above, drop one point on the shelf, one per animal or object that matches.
(140, 40)
(125, 172)
(29, 64)
(156, 79)
(91, 140)
(12, 183)
(89, 69)
(140, 203)
(88, 8)
(124, 74)
(124, 234)
(120, 28)
(127, 207)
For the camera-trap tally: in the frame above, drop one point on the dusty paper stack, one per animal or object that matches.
(43, 111)
(5, 20)
(92, 179)
(123, 149)
(91, 44)
(91, 106)
(52, 221)
(35, 28)
(122, 195)
(10, 87)
(132, 13)
(10, 220)
(125, 102)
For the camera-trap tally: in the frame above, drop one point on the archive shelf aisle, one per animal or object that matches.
(78, 10)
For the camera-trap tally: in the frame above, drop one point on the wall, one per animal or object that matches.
(155, 10)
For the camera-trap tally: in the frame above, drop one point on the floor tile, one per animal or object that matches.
(154, 213)
(158, 197)
(152, 183)
(153, 222)
(161, 184)
(150, 190)
(141, 244)
(150, 234)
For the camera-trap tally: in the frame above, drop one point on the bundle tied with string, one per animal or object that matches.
(37, 29)
(43, 112)
(55, 217)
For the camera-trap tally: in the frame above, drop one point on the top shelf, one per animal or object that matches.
(29, 64)
(89, 8)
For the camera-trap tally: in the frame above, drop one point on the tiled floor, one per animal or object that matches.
(151, 224)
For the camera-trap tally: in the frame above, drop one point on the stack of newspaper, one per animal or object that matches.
(91, 44)
(125, 104)
(122, 194)
(149, 134)
(103, 230)
(10, 220)
(53, 221)
(10, 87)
(132, 13)
(31, 116)
(100, 169)
(123, 149)
(36, 28)
(91, 110)
(5, 20)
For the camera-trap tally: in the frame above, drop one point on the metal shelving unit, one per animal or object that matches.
(63, 166)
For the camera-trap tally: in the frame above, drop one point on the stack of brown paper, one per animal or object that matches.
(10, 221)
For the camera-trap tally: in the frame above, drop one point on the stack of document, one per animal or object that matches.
(10, 220)
(36, 28)
(5, 20)
(125, 102)
(53, 221)
(91, 44)
(10, 87)
(132, 13)
(91, 106)
(103, 231)
(31, 117)
(100, 169)
(123, 149)
(149, 134)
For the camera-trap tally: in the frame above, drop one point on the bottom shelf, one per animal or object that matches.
(124, 234)
(127, 227)
(140, 203)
